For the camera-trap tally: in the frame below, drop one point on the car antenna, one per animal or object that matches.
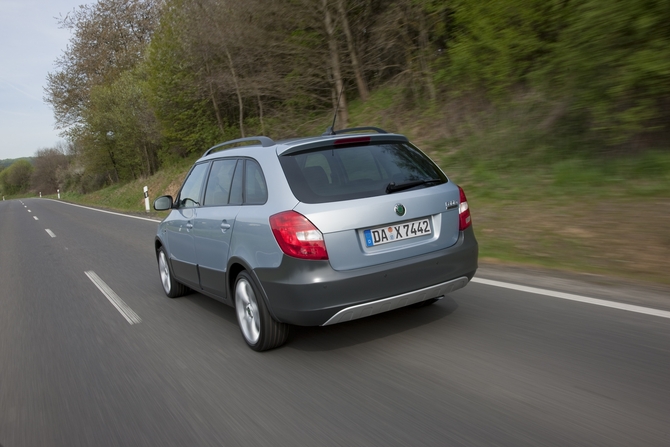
(330, 130)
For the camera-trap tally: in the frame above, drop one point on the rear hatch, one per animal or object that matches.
(375, 200)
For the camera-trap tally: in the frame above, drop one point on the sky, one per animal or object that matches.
(31, 43)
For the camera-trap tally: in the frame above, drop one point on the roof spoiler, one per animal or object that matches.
(330, 131)
(265, 142)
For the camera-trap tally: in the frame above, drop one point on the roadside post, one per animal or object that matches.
(40, 194)
(58, 191)
(146, 198)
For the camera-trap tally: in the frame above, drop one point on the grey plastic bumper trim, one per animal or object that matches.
(395, 302)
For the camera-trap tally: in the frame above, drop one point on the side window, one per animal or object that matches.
(255, 189)
(219, 182)
(189, 195)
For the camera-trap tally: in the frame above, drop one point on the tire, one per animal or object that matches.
(421, 304)
(259, 330)
(171, 286)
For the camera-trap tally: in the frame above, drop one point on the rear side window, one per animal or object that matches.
(255, 189)
(343, 173)
(240, 182)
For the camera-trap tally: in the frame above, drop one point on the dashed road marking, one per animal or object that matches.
(113, 298)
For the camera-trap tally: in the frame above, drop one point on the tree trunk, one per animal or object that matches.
(355, 63)
(424, 48)
(217, 112)
(343, 112)
(146, 155)
(113, 160)
(237, 90)
(260, 112)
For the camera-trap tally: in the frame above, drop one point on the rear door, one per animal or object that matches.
(234, 185)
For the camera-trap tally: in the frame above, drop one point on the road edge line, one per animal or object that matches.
(571, 297)
(105, 211)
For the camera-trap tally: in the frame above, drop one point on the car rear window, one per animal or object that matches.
(356, 171)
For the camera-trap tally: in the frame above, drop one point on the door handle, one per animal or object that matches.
(189, 226)
(225, 226)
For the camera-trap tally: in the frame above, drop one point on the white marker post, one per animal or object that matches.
(40, 194)
(58, 191)
(146, 198)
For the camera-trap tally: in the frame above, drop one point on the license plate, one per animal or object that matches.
(396, 232)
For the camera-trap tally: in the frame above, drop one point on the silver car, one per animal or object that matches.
(315, 231)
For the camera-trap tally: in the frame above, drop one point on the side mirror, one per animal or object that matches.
(163, 203)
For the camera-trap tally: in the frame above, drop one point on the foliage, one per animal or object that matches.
(47, 165)
(499, 44)
(147, 83)
(120, 120)
(108, 38)
(613, 63)
(16, 178)
(97, 93)
(187, 123)
(603, 66)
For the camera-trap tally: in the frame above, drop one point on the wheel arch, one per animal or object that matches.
(237, 265)
(158, 243)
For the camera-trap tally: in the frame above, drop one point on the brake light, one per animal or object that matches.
(297, 236)
(464, 218)
(351, 140)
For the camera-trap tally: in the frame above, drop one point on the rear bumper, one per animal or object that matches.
(311, 293)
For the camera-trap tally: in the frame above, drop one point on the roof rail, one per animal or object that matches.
(330, 131)
(265, 142)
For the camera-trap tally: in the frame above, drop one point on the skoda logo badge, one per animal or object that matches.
(400, 209)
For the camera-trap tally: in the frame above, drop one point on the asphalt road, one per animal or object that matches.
(485, 366)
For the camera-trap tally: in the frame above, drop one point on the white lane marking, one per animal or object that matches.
(35, 217)
(113, 298)
(571, 297)
(29, 211)
(50, 233)
(105, 211)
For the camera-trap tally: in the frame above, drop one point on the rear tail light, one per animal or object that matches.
(297, 236)
(464, 218)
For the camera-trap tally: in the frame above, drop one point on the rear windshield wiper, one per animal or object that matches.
(393, 187)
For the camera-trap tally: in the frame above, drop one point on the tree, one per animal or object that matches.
(356, 65)
(47, 164)
(108, 38)
(121, 134)
(16, 178)
(339, 98)
(185, 109)
(98, 94)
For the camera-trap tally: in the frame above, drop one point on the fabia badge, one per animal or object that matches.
(400, 209)
(451, 204)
